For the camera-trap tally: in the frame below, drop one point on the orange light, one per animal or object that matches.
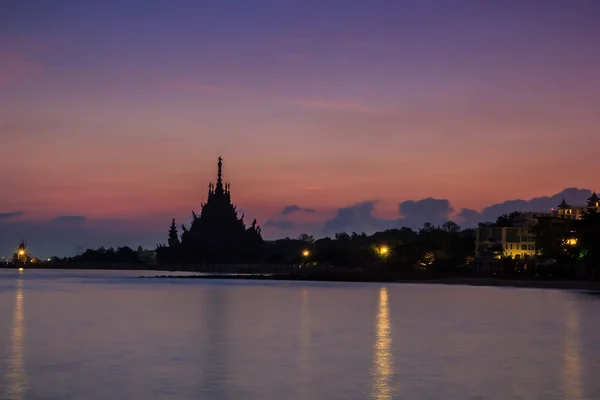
(21, 252)
(306, 253)
(383, 250)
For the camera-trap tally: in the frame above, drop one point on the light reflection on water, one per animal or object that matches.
(15, 375)
(103, 335)
(304, 341)
(215, 376)
(572, 355)
(382, 350)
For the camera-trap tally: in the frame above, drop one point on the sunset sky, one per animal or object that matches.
(113, 113)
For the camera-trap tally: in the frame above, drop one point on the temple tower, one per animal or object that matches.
(218, 234)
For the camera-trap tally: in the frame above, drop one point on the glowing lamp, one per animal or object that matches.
(306, 253)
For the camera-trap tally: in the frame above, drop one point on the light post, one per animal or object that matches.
(383, 251)
(305, 255)
(22, 256)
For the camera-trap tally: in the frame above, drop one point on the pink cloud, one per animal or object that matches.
(15, 68)
(346, 106)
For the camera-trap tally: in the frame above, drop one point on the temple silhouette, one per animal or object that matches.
(217, 235)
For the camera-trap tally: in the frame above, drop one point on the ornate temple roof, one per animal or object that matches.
(563, 204)
(593, 199)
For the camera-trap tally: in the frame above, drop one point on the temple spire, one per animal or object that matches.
(219, 187)
(594, 200)
(563, 204)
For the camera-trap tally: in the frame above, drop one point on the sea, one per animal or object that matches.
(69, 334)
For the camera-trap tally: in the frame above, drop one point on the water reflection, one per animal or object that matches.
(572, 355)
(305, 344)
(215, 383)
(15, 376)
(304, 331)
(382, 357)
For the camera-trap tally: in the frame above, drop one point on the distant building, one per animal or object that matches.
(496, 242)
(567, 211)
(519, 241)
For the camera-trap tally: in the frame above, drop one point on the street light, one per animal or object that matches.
(384, 250)
(305, 253)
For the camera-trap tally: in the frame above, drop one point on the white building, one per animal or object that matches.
(519, 241)
(514, 242)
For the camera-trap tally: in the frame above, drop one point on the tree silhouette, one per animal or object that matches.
(173, 235)
(588, 235)
(451, 227)
(304, 237)
(508, 220)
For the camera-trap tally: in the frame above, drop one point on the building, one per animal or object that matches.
(566, 211)
(519, 240)
(217, 235)
(497, 242)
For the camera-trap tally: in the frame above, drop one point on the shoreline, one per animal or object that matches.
(346, 277)
(489, 282)
(516, 283)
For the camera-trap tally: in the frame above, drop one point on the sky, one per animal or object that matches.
(113, 113)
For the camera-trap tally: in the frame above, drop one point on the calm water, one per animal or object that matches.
(109, 335)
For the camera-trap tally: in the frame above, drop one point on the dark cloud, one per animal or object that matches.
(12, 214)
(412, 213)
(468, 216)
(574, 196)
(357, 218)
(282, 225)
(360, 218)
(290, 209)
(416, 213)
(287, 210)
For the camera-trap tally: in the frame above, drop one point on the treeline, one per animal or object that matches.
(444, 249)
(120, 255)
